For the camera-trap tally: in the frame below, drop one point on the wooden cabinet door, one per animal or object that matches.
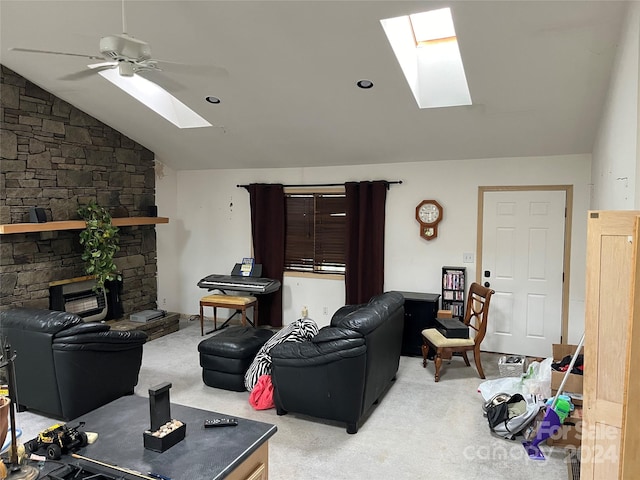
(610, 428)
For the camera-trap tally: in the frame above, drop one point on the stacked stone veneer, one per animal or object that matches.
(56, 157)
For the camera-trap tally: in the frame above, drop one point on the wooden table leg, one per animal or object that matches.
(201, 320)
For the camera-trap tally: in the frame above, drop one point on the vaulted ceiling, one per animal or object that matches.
(538, 72)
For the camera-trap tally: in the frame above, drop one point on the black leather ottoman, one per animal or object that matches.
(225, 357)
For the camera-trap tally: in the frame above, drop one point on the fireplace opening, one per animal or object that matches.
(77, 295)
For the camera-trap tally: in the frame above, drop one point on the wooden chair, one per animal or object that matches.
(475, 318)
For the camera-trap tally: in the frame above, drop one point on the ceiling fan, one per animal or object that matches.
(124, 58)
(129, 54)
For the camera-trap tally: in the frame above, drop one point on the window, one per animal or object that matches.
(426, 47)
(315, 232)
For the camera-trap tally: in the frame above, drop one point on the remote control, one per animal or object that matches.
(220, 422)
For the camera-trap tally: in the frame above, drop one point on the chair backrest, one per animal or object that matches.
(477, 311)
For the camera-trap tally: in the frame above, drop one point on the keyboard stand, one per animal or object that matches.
(224, 324)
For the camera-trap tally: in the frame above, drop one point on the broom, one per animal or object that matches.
(551, 422)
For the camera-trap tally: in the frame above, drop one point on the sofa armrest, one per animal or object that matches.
(83, 328)
(106, 341)
(330, 345)
(38, 320)
(343, 312)
(330, 334)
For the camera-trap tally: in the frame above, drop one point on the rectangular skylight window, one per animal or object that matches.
(433, 25)
(156, 98)
(426, 47)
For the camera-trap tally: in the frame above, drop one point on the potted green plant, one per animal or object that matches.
(100, 240)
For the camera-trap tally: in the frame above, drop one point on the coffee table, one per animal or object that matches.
(230, 453)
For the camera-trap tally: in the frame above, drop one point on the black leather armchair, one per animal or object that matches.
(65, 367)
(341, 372)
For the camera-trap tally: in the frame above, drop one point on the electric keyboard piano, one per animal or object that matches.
(256, 285)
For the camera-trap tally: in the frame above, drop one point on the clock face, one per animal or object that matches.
(428, 213)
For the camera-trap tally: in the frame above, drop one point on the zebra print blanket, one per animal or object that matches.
(298, 331)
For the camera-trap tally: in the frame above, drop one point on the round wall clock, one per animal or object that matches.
(429, 215)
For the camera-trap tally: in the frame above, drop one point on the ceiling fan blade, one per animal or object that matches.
(103, 65)
(96, 67)
(50, 52)
(177, 67)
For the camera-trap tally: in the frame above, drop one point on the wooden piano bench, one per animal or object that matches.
(237, 303)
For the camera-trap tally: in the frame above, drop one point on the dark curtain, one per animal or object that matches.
(268, 234)
(364, 276)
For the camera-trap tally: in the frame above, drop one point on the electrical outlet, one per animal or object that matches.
(325, 310)
(164, 302)
(467, 257)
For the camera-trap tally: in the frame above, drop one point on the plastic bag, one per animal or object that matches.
(511, 385)
(537, 381)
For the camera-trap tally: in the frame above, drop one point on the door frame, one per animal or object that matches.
(566, 262)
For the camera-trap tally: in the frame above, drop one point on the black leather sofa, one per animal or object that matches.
(341, 372)
(65, 367)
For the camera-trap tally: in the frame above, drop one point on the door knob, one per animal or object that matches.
(487, 284)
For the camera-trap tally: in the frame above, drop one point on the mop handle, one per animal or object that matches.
(566, 375)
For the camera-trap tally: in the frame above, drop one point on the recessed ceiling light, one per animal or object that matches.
(212, 99)
(364, 83)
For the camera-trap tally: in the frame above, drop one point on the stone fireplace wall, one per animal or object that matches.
(54, 156)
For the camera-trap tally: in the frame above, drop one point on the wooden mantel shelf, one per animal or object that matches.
(76, 225)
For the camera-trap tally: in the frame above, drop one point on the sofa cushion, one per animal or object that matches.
(235, 342)
(298, 331)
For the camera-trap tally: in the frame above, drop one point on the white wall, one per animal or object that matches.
(167, 235)
(616, 153)
(211, 225)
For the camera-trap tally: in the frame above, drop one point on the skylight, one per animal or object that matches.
(156, 98)
(426, 47)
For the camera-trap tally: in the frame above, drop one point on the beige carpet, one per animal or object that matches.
(420, 429)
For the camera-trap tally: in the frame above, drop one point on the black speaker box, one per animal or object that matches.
(114, 299)
(37, 215)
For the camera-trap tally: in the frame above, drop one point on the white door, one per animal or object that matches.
(522, 260)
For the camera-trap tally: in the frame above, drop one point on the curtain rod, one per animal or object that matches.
(388, 182)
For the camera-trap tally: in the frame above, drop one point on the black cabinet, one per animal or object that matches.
(420, 311)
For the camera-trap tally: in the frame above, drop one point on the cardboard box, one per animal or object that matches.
(571, 432)
(574, 382)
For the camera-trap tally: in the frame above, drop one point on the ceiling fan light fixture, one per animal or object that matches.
(212, 99)
(126, 69)
(364, 84)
